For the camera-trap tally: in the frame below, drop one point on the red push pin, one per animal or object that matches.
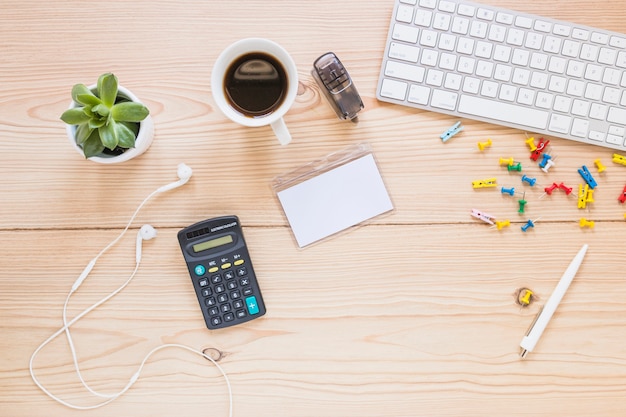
(563, 187)
(551, 188)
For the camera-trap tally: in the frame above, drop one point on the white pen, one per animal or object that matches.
(536, 330)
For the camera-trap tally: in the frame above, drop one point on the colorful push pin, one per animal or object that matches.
(483, 145)
(551, 188)
(619, 159)
(568, 190)
(598, 164)
(586, 223)
(528, 225)
(502, 224)
(622, 198)
(549, 164)
(453, 130)
(522, 205)
(541, 146)
(584, 172)
(486, 183)
(524, 297)
(509, 191)
(544, 160)
(507, 161)
(531, 143)
(515, 167)
(528, 180)
(481, 215)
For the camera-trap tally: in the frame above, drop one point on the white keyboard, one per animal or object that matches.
(505, 67)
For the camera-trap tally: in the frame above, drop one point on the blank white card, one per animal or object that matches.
(335, 200)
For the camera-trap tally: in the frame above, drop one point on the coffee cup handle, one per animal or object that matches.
(281, 131)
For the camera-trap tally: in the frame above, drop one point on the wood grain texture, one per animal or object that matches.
(412, 314)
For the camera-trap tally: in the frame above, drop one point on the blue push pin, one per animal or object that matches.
(453, 130)
(584, 172)
(528, 225)
(528, 180)
(545, 160)
(509, 191)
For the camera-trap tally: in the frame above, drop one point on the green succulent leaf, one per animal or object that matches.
(125, 136)
(129, 111)
(108, 135)
(107, 87)
(96, 123)
(75, 116)
(83, 132)
(101, 110)
(93, 145)
(88, 100)
(81, 90)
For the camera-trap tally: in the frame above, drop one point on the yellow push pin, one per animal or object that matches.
(502, 224)
(599, 165)
(524, 297)
(587, 223)
(531, 144)
(509, 161)
(483, 145)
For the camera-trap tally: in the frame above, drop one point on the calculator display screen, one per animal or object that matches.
(213, 243)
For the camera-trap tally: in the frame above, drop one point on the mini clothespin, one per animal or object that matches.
(586, 223)
(531, 143)
(502, 224)
(528, 225)
(453, 130)
(585, 195)
(619, 159)
(528, 180)
(481, 215)
(598, 163)
(509, 191)
(486, 183)
(622, 198)
(540, 147)
(483, 145)
(584, 172)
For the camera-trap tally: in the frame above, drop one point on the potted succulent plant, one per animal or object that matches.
(107, 123)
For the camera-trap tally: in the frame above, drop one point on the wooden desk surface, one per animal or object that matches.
(411, 315)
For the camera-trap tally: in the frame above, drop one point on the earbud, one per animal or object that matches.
(146, 232)
(184, 173)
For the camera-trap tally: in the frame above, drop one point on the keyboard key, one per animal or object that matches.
(394, 89)
(444, 99)
(419, 94)
(504, 112)
(404, 71)
(403, 52)
(405, 33)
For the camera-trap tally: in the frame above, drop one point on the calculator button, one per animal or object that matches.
(206, 292)
(214, 311)
(232, 285)
(216, 279)
(242, 271)
(226, 265)
(225, 308)
(235, 295)
(247, 291)
(210, 301)
(229, 275)
(216, 321)
(253, 307)
(239, 262)
(238, 304)
(229, 317)
(203, 282)
(213, 269)
(199, 270)
(241, 314)
(244, 281)
(219, 289)
(222, 298)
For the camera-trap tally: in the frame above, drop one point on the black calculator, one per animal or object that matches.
(221, 272)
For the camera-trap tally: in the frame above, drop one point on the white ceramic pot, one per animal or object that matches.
(142, 142)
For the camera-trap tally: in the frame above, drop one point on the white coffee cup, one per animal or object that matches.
(254, 82)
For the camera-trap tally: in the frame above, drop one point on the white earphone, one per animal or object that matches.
(146, 232)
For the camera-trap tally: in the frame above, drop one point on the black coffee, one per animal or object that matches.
(255, 84)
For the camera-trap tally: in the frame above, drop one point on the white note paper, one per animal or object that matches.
(335, 200)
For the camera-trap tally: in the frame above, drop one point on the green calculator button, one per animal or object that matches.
(199, 270)
(253, 306)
